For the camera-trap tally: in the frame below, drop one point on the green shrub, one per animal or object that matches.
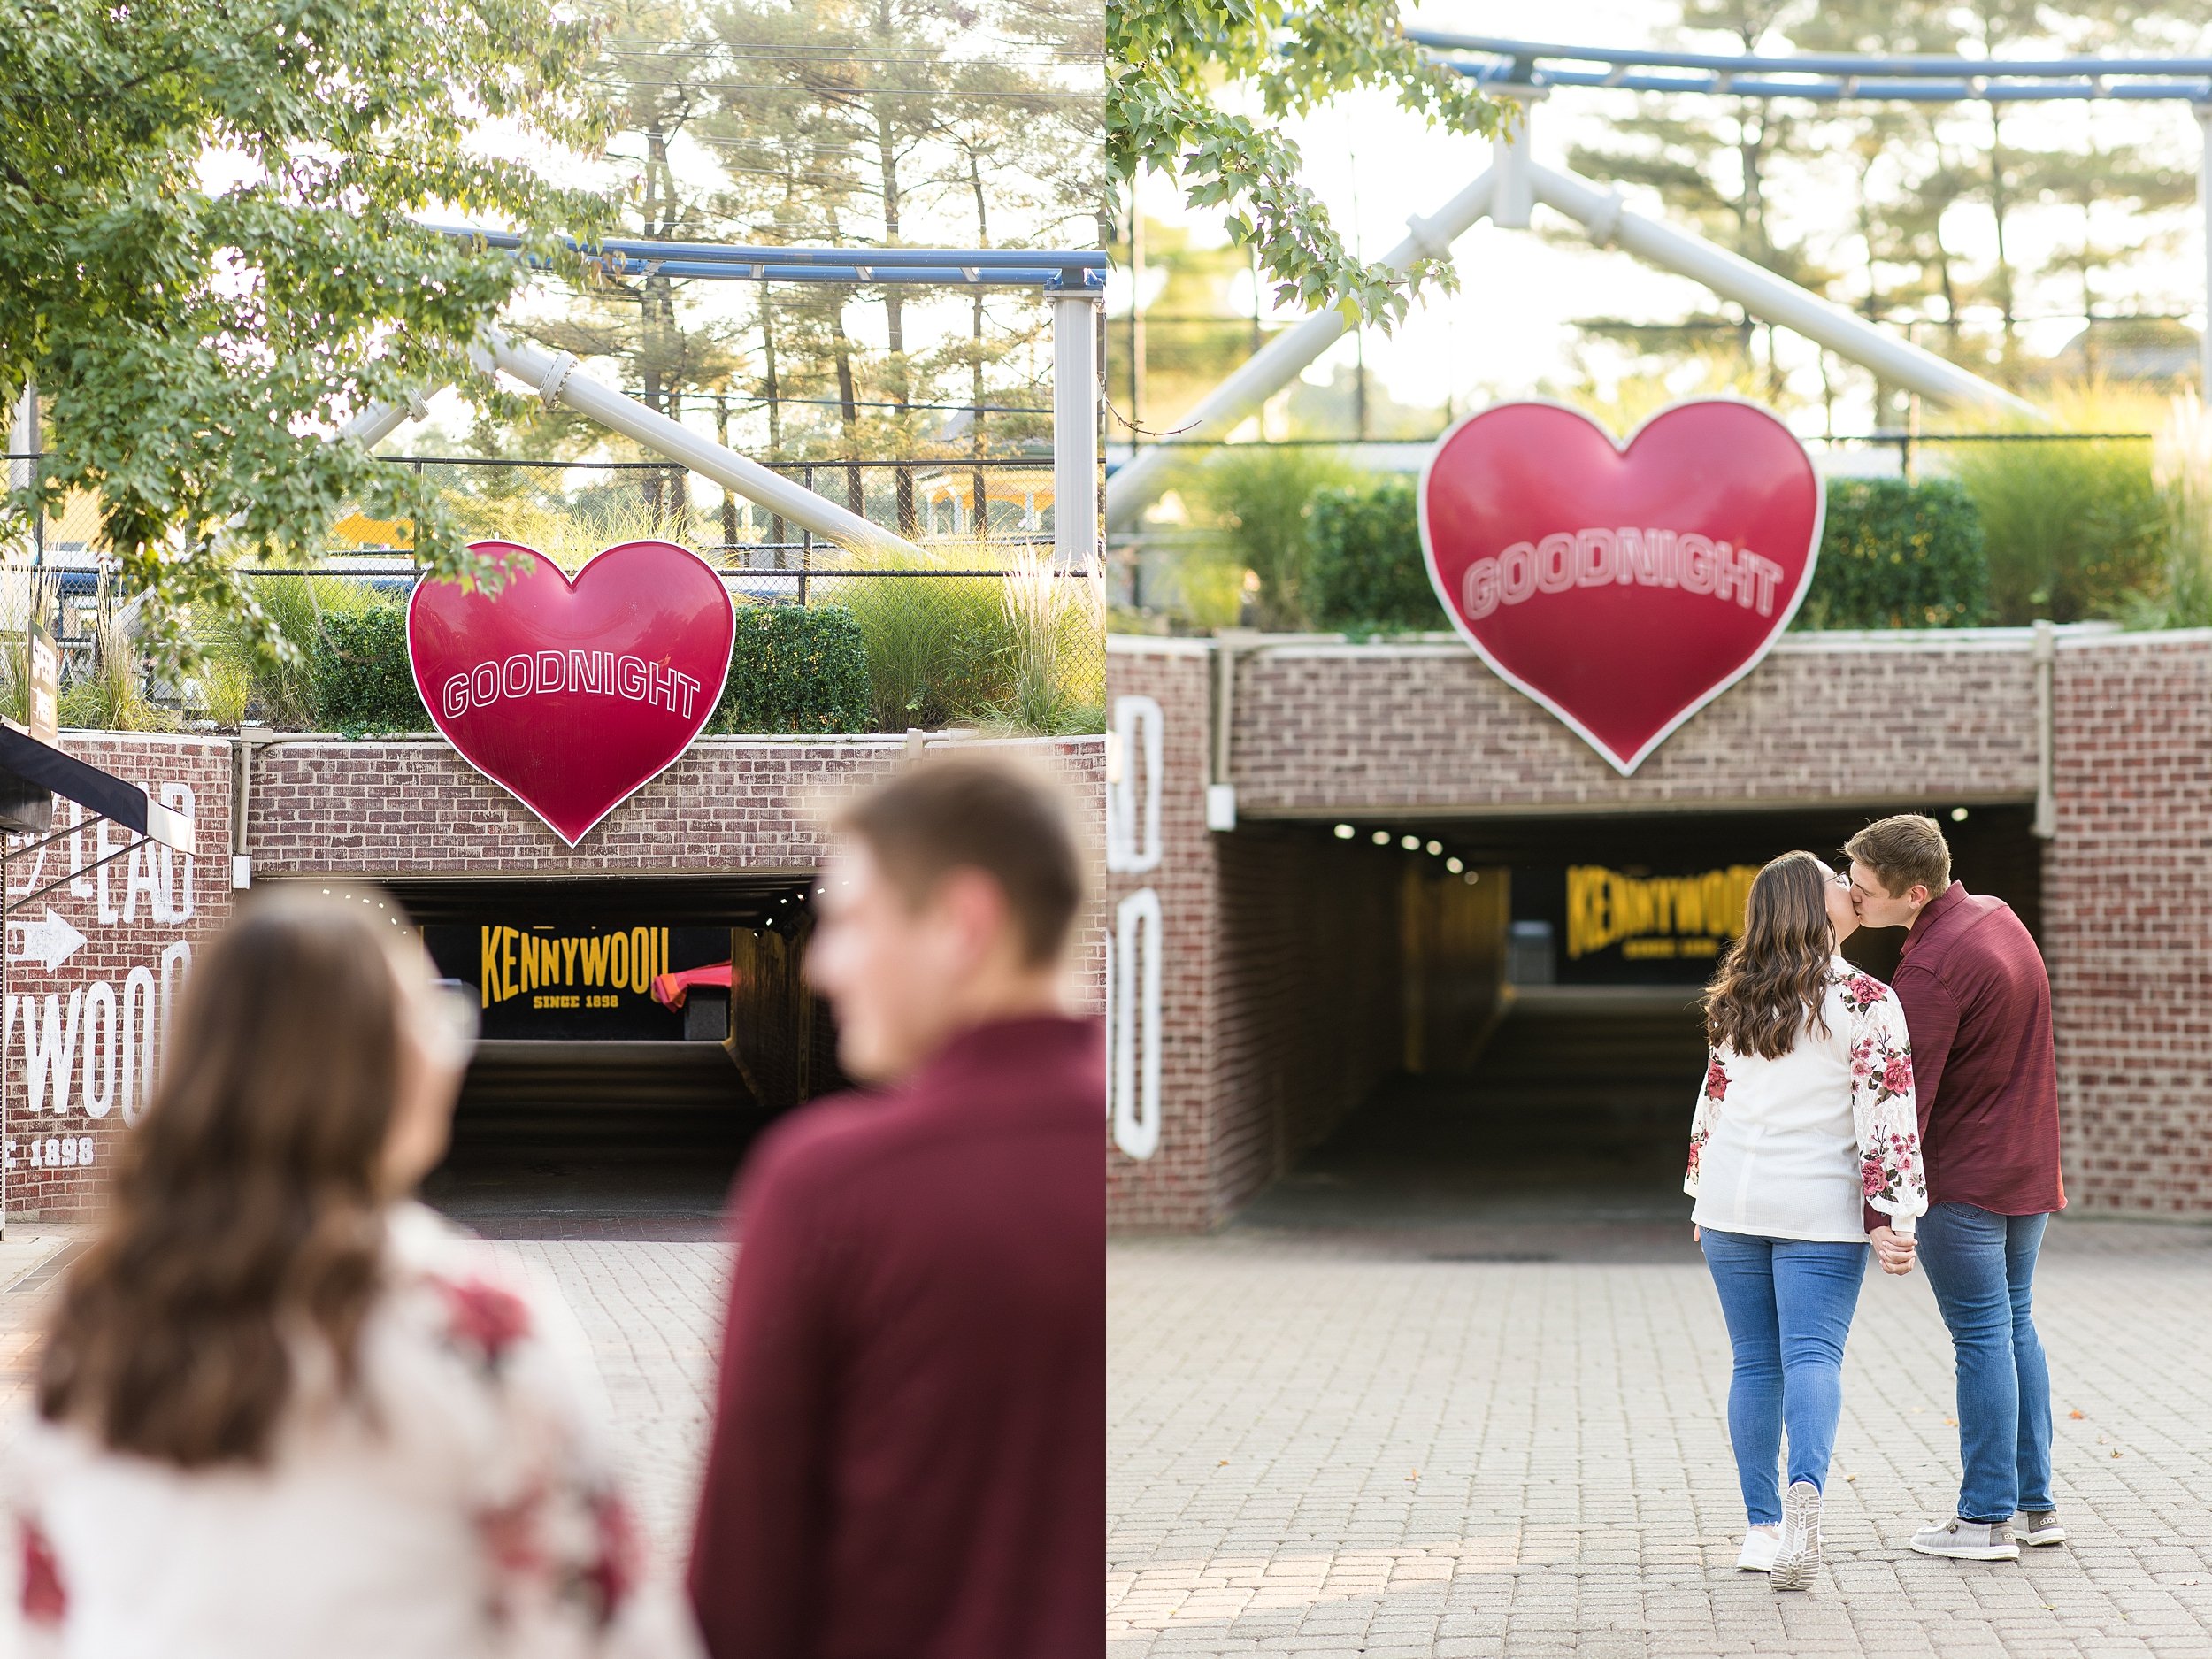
(1898, 554)
(358, 663)
(283, 692)
(940, 649)
(2075, 526)
(1367, 570)
(1257, 498)
(795, 668)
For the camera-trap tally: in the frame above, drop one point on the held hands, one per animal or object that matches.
(1892, 1250)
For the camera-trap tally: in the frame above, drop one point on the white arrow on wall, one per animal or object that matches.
(51, 942)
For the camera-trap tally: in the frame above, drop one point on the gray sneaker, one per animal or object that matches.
(1969, 1541)
(2037, 1527)
(1795, 1561)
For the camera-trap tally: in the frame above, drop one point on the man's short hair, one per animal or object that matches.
(973, 812)
(1904, 851)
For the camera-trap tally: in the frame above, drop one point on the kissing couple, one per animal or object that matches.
(1917, 1122)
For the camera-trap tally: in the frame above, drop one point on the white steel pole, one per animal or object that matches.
(23, 438)
(379, 421)
(1074, 431)
(554, 378)
(1768, 296)
(2204, 223)
(1274, 366)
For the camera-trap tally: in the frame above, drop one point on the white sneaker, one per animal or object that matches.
(2038, 1527)
(1798, 1556)
(1758, 1551)
(1969, 1541)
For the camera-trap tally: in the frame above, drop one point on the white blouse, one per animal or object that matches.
(1787, 1149)
(465, 1506)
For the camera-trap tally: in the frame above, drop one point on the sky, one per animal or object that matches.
(1507, 332)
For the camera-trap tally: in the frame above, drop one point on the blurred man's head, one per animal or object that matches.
(1897, 865)
(947, 903)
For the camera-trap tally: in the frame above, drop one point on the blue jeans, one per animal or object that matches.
(1788, 1305)
(1981, 1266)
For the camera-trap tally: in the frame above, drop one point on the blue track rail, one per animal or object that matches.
(1822, 77)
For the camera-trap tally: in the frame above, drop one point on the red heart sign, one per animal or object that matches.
(573, 696)
(1623, 586)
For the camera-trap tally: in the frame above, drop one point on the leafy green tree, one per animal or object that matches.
(1198, 91)
(208, 261)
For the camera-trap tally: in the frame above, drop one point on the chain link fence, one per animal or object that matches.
(981, 624)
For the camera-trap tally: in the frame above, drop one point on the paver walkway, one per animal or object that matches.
(1335, 1445)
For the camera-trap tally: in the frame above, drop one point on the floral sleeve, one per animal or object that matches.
(1883, 1107)
(1709, 1095)
(560, 1545)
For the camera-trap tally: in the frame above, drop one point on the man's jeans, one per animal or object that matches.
(1788, 1305)
(1980, 1266)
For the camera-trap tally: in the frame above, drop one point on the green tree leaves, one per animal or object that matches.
(1199, 89)
(209, 260)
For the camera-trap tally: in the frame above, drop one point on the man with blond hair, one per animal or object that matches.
(1977, 1004)
(908, 1449)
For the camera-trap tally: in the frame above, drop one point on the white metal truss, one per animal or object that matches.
(1505, 193)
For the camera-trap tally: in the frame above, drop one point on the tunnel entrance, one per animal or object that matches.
(1488, 1029)
(637, 1033)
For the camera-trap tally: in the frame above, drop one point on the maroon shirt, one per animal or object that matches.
(909, 1443)
(1978, 1003)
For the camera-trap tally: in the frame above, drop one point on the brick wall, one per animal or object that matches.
(1320, 729)
(327, 807)
(1306, 989)
(81, 1034)
(1174, 1188)
(2128, 922)
(322, 806)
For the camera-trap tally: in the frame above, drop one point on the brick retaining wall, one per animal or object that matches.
(79, 1036)
(1321, 729)
(324, 806)
(2128, 922)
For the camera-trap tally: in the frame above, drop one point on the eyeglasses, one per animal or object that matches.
(452, 1020)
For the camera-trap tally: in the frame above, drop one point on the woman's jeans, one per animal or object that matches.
(1981, 1266)
(1788, 1305)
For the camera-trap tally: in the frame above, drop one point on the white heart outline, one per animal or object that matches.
(1621, 446)
(430, 707)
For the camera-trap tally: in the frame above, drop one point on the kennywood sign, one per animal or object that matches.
(573, 695)
(1623, 586)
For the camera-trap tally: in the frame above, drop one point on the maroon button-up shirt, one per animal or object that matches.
(910, 1440)
(1977, 1004)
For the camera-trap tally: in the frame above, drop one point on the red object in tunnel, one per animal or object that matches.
(573, 695)
(672, 990)
(1623, 586)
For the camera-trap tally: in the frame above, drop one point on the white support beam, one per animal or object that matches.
(2204, 224)
(1768, 296)
(1075, 394)
(555, 378)
(379, 421)
(1274, 366)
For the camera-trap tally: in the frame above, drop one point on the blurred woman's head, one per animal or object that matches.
(1773, 978)
(308, 1080)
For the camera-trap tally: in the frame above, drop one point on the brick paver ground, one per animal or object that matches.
(1335, 1445)
(652, 1313)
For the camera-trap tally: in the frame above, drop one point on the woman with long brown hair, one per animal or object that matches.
(283, 1409)
(1805, 1141)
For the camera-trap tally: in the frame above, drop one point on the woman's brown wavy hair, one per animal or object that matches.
(1774, 978)
(248, 1204)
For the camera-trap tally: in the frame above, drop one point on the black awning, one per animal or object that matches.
(43, 766)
